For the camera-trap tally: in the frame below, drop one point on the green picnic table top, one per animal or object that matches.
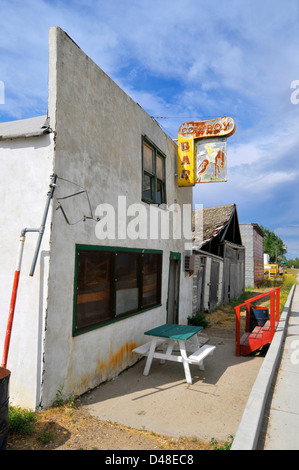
(182, 332)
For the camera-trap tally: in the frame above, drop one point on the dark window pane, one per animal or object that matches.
(147, 187)
(160, 193)
(93, 288)
(151, 289)
(114, 283)
(126, 282)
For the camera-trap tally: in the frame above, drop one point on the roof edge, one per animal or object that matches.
(25, 128)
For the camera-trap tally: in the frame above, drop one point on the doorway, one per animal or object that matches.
(173, 288)
(214, 283)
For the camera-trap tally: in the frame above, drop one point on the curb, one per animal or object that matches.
(248, 432)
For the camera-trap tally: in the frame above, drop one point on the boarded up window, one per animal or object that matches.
(112, 283)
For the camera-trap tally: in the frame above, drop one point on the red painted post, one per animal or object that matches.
(12, 303)
(247, 317)
(237, 331)
(277, 303)
(272, 313)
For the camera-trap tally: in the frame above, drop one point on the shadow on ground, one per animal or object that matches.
(162, 402)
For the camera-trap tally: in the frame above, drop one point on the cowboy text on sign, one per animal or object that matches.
(224, 126)
(206, 163)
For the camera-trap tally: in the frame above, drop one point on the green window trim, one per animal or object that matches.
(176, 256)
(143, 296)
(153, 173)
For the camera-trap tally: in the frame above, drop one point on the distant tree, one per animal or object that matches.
(293, 262)
(273, 246)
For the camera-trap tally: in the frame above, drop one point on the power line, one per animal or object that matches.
(181, 117)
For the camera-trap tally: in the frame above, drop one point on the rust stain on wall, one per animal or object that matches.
(105, 369)
(116, 359)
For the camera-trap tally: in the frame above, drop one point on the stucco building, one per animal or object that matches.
(104, 272)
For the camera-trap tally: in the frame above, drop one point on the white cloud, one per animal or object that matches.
(288, 230)
(234, 47)
(261, 184)
(238, 59)
(245, 153)
(292, 247)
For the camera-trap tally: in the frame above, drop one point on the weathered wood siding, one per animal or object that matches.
(233, 272)
(258, 253)
(207, 282)
(253, 241)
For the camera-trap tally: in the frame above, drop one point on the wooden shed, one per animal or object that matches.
(219, 273)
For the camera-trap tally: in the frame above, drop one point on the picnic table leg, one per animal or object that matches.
(168, 350)
(197, 342)
(201, 366)
(185, 361)
(150, 356)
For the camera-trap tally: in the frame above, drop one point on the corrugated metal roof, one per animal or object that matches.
(24, 128)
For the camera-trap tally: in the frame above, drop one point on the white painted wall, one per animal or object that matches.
(98, 146)
(25, 166)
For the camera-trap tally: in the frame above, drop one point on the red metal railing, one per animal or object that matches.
(274, 313)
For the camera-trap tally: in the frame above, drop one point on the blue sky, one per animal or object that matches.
(183, 60)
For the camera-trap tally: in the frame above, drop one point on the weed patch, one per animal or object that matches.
(21, 421)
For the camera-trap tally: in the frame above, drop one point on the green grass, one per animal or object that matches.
(289, 279)
(21, 421)
(285, 282)
(224, 446)
(46, 436)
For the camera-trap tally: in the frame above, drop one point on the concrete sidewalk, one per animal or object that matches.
(282, 430)
(232, 396)
(271, 417)
(163, 402)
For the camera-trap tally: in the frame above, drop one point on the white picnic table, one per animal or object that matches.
(172, 334)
